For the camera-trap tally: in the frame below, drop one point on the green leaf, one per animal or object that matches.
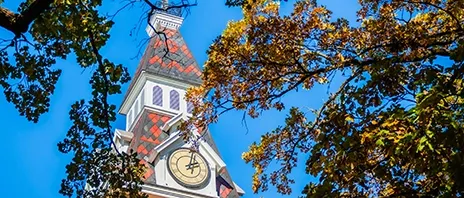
(430, 146)
(380, 142)
(422, 140)
(420, 148)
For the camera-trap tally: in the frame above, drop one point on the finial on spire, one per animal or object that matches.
(165, 4)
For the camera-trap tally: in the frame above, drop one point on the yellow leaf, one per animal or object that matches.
(349, 118)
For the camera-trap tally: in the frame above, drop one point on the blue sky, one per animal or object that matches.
(30, 162)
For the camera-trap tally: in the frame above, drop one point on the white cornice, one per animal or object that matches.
(170, 140)
(238, 189)
(171, 193)
(161, 21)
(124, 135)
(171, 122)
(168, 81)
(121, 139)
(138, 85)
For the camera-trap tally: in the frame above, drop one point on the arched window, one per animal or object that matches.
(189, 107)
(157, 96)
(174, 98)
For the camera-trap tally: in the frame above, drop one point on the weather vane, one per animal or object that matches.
(164, 4)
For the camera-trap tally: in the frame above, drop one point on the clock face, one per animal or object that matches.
(188, 168)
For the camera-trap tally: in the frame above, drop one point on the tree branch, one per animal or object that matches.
(7, 19)
(101, 70)
(19, 23)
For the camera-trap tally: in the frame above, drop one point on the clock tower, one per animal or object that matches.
(154, 106)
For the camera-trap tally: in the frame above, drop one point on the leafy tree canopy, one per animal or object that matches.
(46, 30)
(395, 125)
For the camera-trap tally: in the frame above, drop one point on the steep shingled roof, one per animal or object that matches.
(167, 55)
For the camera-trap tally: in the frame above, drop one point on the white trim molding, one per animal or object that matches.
(211, 153)
(239, 190)
(124, 135)
(161, 20)
(171, 122)
(122, 140)
(171, 193)
(170, 140)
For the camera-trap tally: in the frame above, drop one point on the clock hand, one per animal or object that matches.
(192, 164)
(191, 158)
(196, 163)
